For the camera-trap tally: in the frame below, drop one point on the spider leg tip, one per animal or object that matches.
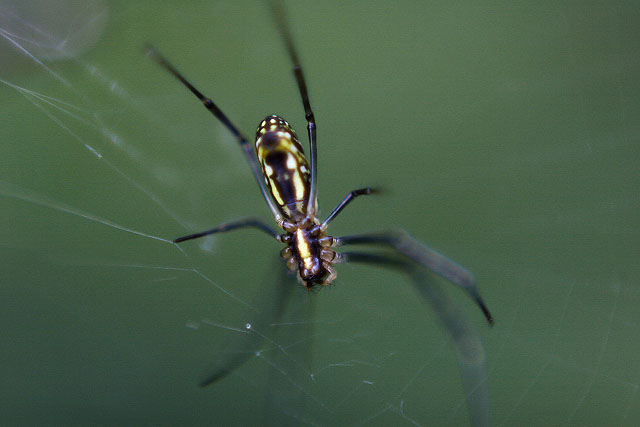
(489, 317)
(374, 190)
(148, 49)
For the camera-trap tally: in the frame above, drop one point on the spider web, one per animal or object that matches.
(106, 160)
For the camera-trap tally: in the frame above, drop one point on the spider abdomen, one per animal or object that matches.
(284, 166)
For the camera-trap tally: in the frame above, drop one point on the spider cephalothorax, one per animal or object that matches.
(308, 252)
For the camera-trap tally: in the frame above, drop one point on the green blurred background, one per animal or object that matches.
(505, 134)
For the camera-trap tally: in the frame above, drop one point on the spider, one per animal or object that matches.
(288, 183)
